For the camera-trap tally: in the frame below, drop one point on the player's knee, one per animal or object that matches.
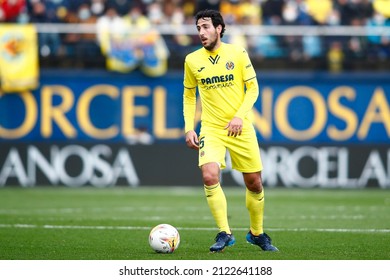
(254, 183)
(255, 187)
(210, 177)
(210, 174)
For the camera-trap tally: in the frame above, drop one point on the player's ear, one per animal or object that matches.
(219, 29)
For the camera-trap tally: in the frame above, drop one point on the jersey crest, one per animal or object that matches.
(229, 65)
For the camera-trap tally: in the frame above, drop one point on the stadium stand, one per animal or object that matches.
(279, 34)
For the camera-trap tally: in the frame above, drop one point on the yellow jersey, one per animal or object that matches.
(226, 82)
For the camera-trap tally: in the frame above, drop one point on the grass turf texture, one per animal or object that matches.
(113, 224)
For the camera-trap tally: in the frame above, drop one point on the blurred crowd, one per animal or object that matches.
(143, 13)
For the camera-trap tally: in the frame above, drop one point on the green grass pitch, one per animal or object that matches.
(57, 223)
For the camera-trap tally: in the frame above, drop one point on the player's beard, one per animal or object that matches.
(213, 43)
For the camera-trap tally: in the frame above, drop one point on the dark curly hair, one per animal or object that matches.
(215, 16)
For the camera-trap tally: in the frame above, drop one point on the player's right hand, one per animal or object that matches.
(192, 140)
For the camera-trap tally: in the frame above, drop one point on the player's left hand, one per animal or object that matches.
(234, 127)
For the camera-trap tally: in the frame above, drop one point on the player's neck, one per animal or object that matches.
(216, 47)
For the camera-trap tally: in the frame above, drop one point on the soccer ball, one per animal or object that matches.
(164, 238)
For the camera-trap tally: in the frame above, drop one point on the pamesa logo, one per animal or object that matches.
(217, 79)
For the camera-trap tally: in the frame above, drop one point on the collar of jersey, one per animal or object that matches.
(216, 51)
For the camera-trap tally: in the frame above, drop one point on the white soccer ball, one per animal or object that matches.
(164, 238)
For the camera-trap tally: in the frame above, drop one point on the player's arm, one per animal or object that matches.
(189, 110)
(189, 106)
(251, 95)
(235, 126)
(251, 85)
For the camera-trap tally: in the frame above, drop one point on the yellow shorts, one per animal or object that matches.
(244, 149)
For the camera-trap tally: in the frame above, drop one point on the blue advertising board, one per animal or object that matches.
(315, 130)
(102, 106)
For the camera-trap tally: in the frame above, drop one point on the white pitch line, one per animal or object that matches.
(342, 230)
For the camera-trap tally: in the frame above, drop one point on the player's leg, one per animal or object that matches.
(245, 155)
(254, 200)
(255, 205)
(211, 158)
(215, 196)
(218, 206)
